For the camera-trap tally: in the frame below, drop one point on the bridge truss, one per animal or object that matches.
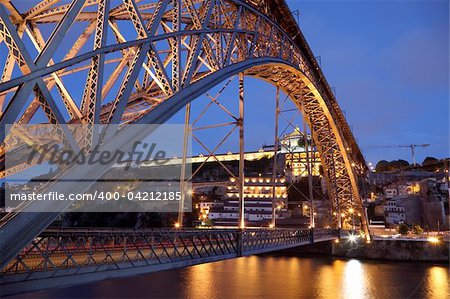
(142, 61)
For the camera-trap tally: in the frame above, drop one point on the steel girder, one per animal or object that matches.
(177, 46)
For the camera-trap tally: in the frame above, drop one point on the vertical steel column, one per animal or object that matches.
(241, 151)
(338, 207)
(310, 179)
(333, 178)
(275, 152)
(183, 165)
(447, 174)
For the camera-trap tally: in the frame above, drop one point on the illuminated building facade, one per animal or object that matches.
(259, 195)
(296, 157)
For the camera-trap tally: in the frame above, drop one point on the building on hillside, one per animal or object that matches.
(390, 192)
(291, 158)
(404, 209)
(401, 188)
(292, 146)
(394, 213)
(258, 195)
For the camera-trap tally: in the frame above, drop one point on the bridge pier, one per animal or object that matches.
(312, 236)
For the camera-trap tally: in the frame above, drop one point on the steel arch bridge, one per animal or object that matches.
(146, 60)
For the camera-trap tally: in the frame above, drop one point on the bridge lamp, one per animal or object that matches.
(352, 238)
(242, 224)
(433, 240)
(177, 225)
(271, 225)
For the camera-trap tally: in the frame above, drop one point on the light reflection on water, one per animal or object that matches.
(275, 277)
(354, 283)
(438, 285)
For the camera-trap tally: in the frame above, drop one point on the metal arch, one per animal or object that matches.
(346, 181)
(276, 72)
(248, 38)
(160, 114)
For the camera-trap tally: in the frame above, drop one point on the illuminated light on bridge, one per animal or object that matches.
(352, 238)
(434, 240)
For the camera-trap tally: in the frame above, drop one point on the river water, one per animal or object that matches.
(275, 276)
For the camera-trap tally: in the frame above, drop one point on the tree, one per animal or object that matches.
(431, 164)
(403, 229)
(398, 164)
(430, 160)
(417, 230)
(382, 165)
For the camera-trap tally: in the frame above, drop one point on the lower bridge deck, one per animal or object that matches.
(65, 257)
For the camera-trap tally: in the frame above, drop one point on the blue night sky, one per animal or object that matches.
(389, 63)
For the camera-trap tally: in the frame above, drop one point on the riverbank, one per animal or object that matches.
(390, 250)
(393, 250)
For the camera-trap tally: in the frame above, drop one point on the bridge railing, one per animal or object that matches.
(103, 250)
(327, 234)
(71, 256)
(58, 253)
(263, 240)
